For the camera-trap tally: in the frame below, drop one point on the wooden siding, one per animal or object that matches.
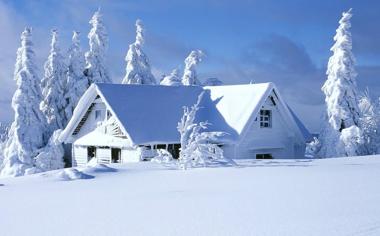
(79, 156)
(278, 140)
(103, 155)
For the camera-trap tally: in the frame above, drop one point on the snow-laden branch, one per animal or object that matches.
(197, 146)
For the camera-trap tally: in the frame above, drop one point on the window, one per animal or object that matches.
(265, 118)
(98, 114)
(264, 156)
(108, 114)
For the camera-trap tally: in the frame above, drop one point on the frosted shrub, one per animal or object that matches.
(163, 156)
(351, 140)
(312, 148)
(197, 146)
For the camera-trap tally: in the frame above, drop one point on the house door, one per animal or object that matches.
(91, 153)
(115, 155)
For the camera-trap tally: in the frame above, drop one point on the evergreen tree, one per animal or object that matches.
(138, 69)
(26, 135)
(77, 82)
(369, 123)
(341, 93)
(4, 129)
(172, 80)
(190, 74)
(53, 86)
(96, 69)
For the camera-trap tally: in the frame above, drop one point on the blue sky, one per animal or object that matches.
(286, 42)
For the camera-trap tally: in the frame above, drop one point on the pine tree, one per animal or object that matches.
(26, 135)
(172, 80)
(138, 68)
(53, 87)
(4, 129)
(96, 69)
(77, 82)
(340, 91)
(190, 74)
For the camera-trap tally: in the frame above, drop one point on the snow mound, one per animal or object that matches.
(72, 174)
(163, 156)
(94, 167)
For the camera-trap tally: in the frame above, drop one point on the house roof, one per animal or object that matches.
(150, 113)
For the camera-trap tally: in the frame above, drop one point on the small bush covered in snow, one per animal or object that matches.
(197, 146)
(163, 156)
(312, 148)
(351, 140)
(71, 174)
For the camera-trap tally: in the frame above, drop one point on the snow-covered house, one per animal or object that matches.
(127, 123)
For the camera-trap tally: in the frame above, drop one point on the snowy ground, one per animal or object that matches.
(278, 197)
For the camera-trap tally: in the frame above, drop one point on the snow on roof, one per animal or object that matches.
(96, 138)
(150, 113)
(236, 103)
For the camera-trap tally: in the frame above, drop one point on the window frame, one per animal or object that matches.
(265, 118)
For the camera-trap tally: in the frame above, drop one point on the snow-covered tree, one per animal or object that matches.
(138, 68)
(340, 91)
(370, 123)
(190, 73)
(51, 156)
(53, 87)
(26, 135)
(96, 69)
(4, 129)
(197, 146)
(77, 82)
(212, 82)
(312, 148)
(351, 141)
(172, 80)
